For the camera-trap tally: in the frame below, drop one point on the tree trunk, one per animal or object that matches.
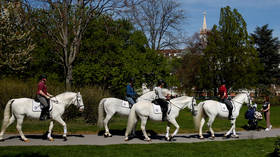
(68, 78)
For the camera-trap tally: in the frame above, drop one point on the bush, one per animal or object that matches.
(275, 100)
(11, 88)
(91, 98)
(277, 147)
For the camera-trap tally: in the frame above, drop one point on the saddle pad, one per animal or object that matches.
(157, 109)
(125, 104)
(224, 107)
(37, 108)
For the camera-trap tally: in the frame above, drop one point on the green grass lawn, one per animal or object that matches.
(185, 121)
(238, 148)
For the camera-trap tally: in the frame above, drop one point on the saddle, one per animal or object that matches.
(158, 108)
(224, 107)
(36, 105)
(125, 104)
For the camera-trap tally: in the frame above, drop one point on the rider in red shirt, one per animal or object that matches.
(224, 98)
(43, 96)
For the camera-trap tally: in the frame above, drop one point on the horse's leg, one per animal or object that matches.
(210, 122)
(200, 127)
(5, 126)
(134, 128)
(143, 125)
(167, 131)
(106, 120)
(50, 131)
(19, 126)
(61, 121)
(232, 128)
(174, 122)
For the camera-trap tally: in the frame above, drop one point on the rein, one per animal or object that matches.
(72, 101)
(184, 105)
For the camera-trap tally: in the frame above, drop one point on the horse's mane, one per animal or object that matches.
(239, 94)
(64, 93)
(179, 98)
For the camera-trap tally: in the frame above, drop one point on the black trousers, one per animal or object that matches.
(163, 105)
(229, 106)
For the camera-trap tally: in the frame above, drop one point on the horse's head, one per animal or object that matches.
(78, 101)
(245, 95)
(248, 99)
(194, 107)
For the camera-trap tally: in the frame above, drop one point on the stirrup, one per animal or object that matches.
(43, 117)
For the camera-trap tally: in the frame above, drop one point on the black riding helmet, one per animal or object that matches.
(160, 82)
(43, 76)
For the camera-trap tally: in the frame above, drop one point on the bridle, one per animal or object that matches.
(78, 99)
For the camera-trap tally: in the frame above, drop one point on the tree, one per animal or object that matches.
(268, 52)
(160, 21)
(15, 39)
(67, 20)
(230, 54)
(113, 52)
(189, 71)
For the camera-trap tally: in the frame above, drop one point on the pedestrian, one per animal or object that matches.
(266, 110)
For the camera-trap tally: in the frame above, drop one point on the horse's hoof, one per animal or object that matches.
(212, 138)
(167, 138)
(105, 135)
(225, 136)
(27, 140)
(234, 136)
(110, 135)
(170, 138)
(64, 138)
(51, 139)
(126, 139)
(148, 140)
(2, 140)
(201, 137)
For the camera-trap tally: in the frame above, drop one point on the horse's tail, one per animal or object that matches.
(101, 113)
(199, 115)
(7, 113)
(132, 119)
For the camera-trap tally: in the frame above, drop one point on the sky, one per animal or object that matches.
(256, 13)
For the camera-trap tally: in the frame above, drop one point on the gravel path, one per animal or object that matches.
(91, 139)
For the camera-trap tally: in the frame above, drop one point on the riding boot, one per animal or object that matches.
(164, 116)
(43, 115)
(48, 113)
(230, 114)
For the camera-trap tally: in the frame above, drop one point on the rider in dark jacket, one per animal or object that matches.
(130, 93)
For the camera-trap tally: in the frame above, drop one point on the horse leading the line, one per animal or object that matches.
(144, 110)
(114, 105)
(212, 109)
(17, 109)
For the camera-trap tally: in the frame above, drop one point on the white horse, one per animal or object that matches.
(145, 110)
(17, 109)
(115, 105)
(211, 109)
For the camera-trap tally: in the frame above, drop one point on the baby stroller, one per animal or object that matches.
(253, 117)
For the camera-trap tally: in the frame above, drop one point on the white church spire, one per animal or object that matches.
(204, 27)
